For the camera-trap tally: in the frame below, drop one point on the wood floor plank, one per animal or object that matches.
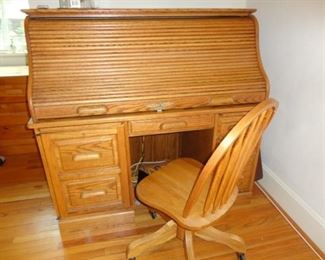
(18, 192)
(29, 230)
(21, 168)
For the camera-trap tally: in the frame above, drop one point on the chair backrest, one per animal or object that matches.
(225, 165)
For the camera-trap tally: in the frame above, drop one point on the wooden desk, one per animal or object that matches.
(100, 80)
(87, 160)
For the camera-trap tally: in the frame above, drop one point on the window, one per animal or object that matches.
(12, 37)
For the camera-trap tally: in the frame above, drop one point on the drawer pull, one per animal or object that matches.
(92, 193)
(222, 101)
(92, 110)
(86, 157)
(173, 125)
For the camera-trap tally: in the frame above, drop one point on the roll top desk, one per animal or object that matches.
(103, 81)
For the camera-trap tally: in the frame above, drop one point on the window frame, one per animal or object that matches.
(12, 42)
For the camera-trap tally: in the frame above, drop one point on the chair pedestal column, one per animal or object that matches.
(180, 233)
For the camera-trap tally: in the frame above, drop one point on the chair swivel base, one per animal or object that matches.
(240, 256)
(169, 231)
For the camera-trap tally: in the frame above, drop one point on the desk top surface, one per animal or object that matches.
(137, 13)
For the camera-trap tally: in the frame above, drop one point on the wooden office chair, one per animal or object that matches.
(194, 196)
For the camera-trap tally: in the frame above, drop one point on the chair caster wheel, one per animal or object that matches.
(241, 256)
(153, 214)
(2, 160)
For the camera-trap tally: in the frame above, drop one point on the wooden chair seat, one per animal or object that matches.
(164, 183)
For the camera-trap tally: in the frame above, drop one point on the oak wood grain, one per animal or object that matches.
(87, 168)
(142, 60)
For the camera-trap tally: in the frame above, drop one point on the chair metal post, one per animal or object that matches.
(2, 160)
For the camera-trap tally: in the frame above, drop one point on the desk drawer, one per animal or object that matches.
(86, 152)
(83, 149)
(90, 194)
(170, 124)
(87, 167)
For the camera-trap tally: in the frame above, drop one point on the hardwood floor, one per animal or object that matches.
(29, 230)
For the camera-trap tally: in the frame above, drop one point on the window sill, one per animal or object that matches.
(13, 71)
(13, 59)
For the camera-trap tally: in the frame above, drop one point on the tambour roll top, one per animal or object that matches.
(96, 62)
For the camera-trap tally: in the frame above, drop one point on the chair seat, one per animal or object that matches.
(161, 191)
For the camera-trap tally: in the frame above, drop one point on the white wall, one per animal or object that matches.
(152, 3)
(170, 3)
(49, 3)
(292, 47)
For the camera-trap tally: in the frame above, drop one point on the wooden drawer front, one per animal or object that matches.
(75, 150)
(226, 121)
(80, 153)
(87, 167)
(170, 124)
(89, 194)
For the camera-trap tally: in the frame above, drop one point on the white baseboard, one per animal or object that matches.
(301, 213)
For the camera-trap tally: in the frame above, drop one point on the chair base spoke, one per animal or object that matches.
(188, 244)
(231, 240)
(148, 242)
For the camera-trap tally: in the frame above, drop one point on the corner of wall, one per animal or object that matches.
(303, 215)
